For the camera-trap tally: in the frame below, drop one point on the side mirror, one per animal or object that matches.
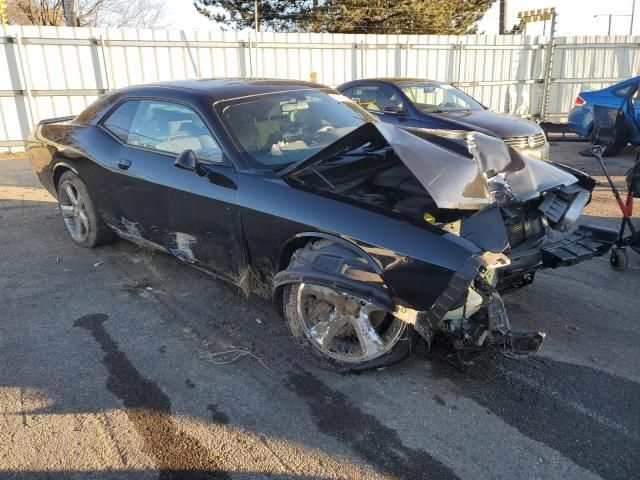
(187, 160)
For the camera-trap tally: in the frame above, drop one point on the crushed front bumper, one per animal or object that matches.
(584, 243)
(492, 326)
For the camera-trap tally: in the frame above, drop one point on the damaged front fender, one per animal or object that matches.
(332, 265)
(339, 268)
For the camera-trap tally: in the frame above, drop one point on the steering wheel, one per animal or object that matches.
(320, 131)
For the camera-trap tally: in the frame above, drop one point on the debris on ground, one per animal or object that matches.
(233, 353)
(97, 264)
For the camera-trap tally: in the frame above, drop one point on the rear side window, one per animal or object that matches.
(375, 98)
(119, 122)
(163, 126)
(625, 91)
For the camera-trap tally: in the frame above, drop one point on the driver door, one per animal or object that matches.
(194, 216)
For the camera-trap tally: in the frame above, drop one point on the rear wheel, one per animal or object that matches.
(83, 224)
(343, 332)
(613, 149)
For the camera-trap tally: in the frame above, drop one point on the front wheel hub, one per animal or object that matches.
(345, 327)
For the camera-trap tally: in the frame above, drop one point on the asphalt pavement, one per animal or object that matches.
(120, 362)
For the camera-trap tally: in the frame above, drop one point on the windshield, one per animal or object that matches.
(438, 97)
(282, 128)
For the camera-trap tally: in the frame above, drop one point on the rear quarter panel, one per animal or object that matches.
(580, 120)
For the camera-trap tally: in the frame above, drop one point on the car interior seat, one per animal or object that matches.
(368, 100)
(386, 98)
(244, 126)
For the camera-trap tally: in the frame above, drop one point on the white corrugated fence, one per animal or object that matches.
(56, 71)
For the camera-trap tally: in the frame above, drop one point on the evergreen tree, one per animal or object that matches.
(450, 17)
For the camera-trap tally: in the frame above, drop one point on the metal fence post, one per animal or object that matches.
(459, 72)
(406, 58)
(548, 67)
(361, 58)
(250, 57)
(104, 62)
(25, 78)
(457, 59)
(257, 54)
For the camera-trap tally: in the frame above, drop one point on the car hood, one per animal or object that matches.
(503, 126)
(465, 182)
(462, 174)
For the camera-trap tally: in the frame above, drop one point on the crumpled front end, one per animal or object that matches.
(481, 318)
(524, 208)
(506, 215)
(526, 219)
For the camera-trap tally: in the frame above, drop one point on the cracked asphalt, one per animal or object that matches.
(120, 362)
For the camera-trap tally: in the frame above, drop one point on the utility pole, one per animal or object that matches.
(70, 13)
(611, 15)
(255, 11)
(503, 28)
(633, 12)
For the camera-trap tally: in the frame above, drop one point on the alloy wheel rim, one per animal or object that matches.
(74, 212)
(345, 327)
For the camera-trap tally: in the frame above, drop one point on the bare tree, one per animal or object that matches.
(121, 13)
(90, 13)
(35, 12)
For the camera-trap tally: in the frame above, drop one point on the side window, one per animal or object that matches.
(624, 91)
(119, 122)
(375, 98)
(164, 126)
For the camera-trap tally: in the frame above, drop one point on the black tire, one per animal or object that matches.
(403, 338)
(612, 150)
(619, 260)
(93, 231)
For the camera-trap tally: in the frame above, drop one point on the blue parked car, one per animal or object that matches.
(623, 95)
(412, 102)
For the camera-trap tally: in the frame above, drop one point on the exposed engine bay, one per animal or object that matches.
(520, 212)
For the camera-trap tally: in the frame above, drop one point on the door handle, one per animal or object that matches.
(123, 163)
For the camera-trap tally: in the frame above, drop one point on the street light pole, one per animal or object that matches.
(633, 12)
(255, 11)
(611, 15)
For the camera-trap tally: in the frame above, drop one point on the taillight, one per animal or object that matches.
(580, 101)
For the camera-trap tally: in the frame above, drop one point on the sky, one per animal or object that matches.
(575, 17)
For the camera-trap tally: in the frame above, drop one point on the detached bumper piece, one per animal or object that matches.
(492, 328)
(584, 243)
(510, 344)
(522, 344)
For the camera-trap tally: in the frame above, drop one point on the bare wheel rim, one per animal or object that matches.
(74, 211)
(345, 327)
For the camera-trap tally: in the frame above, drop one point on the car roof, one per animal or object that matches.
(228, 88)
(394, 80)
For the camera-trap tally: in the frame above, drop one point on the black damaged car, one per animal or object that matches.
(367, 235)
